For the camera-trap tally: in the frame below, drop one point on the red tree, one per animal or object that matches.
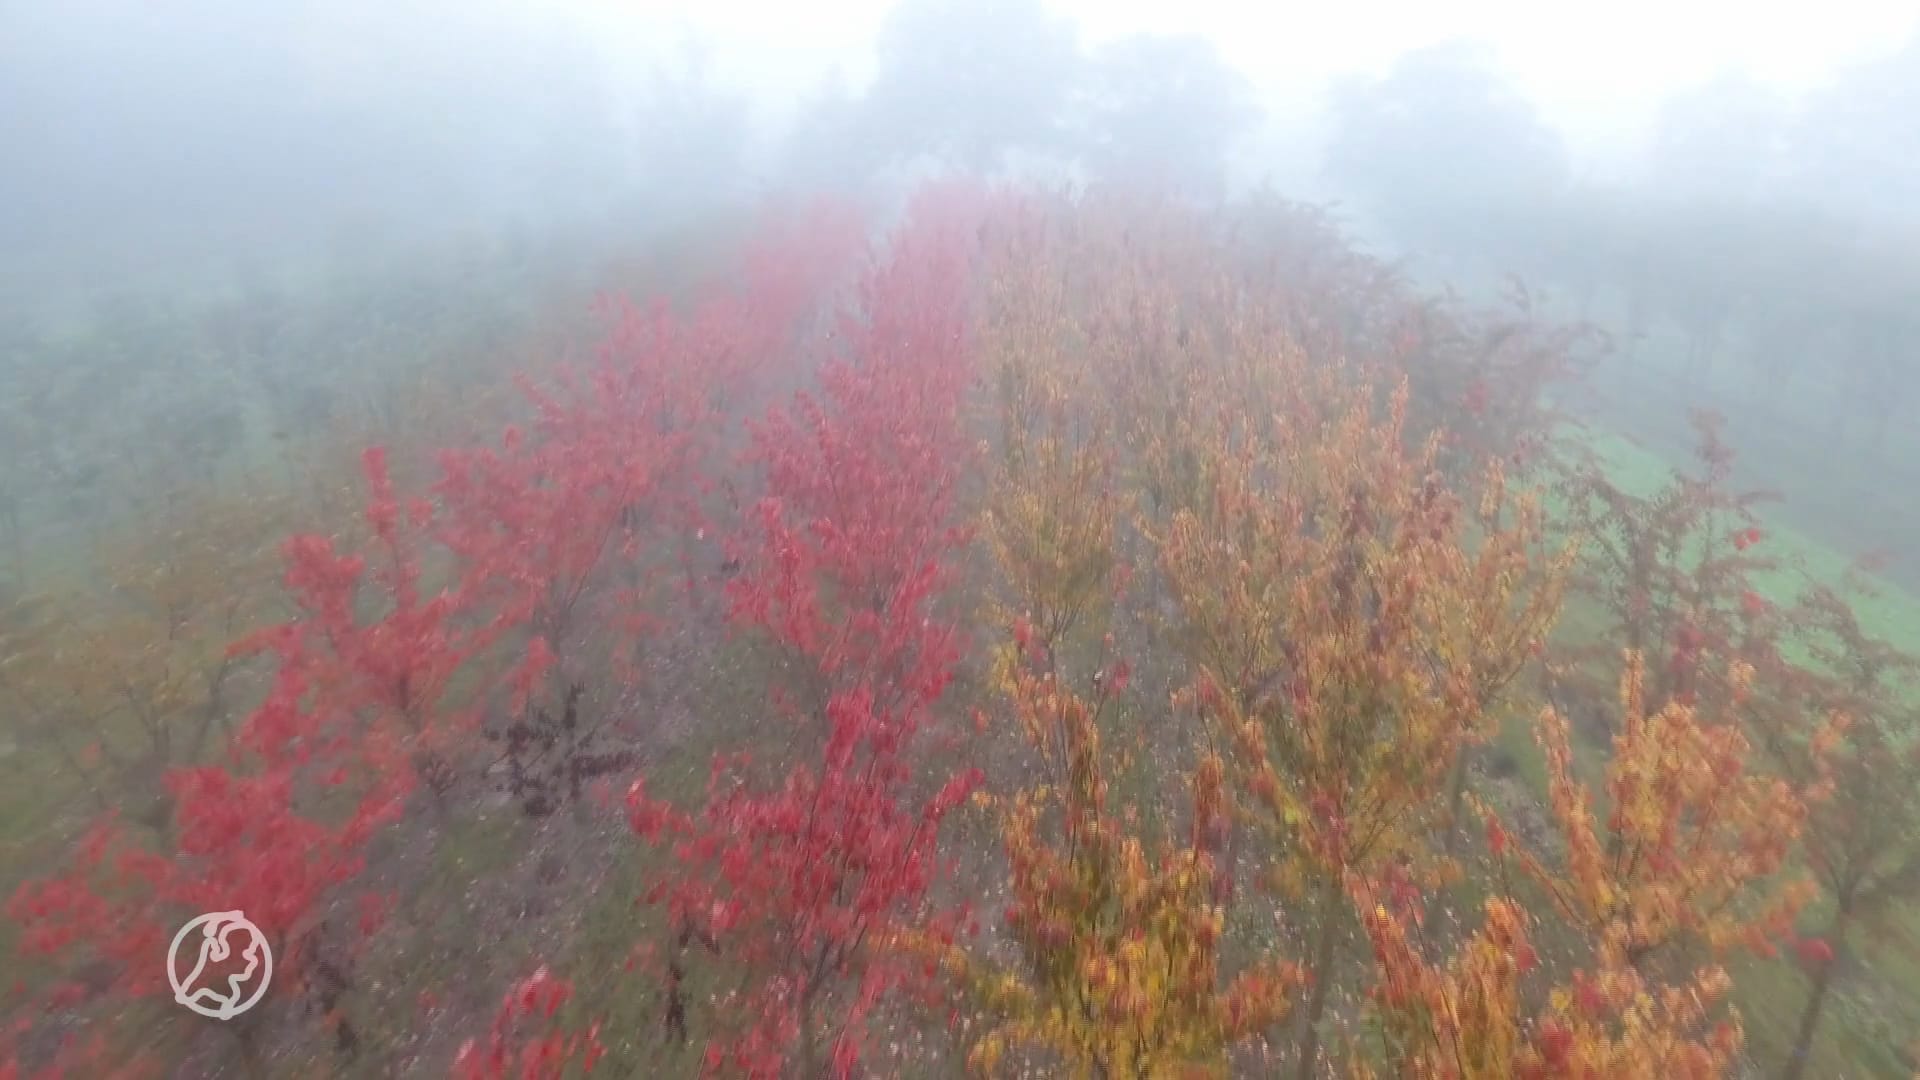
(842, 567)
(525, 1042)
(508, 580)
(349, 723)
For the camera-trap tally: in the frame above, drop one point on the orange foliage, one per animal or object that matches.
(1349, 643)
(1470, 1020)
(1695, 841)
(1121, 952)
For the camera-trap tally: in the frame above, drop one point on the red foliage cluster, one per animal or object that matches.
(532, 546)
(510, 1051)
(309, 775)
(842, 564)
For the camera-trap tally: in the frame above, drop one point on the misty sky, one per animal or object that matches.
(207, 117)
(1593, 68)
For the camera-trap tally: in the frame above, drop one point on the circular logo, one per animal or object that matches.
(223, 970)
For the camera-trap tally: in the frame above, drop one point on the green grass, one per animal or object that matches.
(1893, 613)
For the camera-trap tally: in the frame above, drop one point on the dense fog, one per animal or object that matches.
(1740, 218)
(242, 241)
(208, 133)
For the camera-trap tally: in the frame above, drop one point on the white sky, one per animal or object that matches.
(1590, 66)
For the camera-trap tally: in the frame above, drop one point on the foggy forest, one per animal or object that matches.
(959, 538)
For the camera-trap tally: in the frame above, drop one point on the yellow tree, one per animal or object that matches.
(1121, 952)
(128, 677)
(1054, 505)
(1120, 949)
(1349, 644)
(1471, 1018)
(1862, 842)
(1671, 570)
(1157, 312)
(1695, 842)
(1509, 600)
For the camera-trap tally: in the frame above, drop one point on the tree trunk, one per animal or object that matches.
(252, 1065)
(1456, 794)
(809, 1047)
(1322, 974)
(809, 1053)
(1816, 1000)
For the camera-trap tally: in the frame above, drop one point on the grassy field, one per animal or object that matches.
(1892, 612)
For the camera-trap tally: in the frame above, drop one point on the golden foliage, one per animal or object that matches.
(1054, 503)
(1458, 1022)
(1349, 641)
(1470, 1019)
(1695, 843)
(1121, 973)
(125, 677)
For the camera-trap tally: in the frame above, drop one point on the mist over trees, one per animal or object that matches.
(1759, 251)
(1164, 112)
(970, 83)
(814, 554)
(1445, 153)
(150, 141)
(215, 127)
(1761, 256)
